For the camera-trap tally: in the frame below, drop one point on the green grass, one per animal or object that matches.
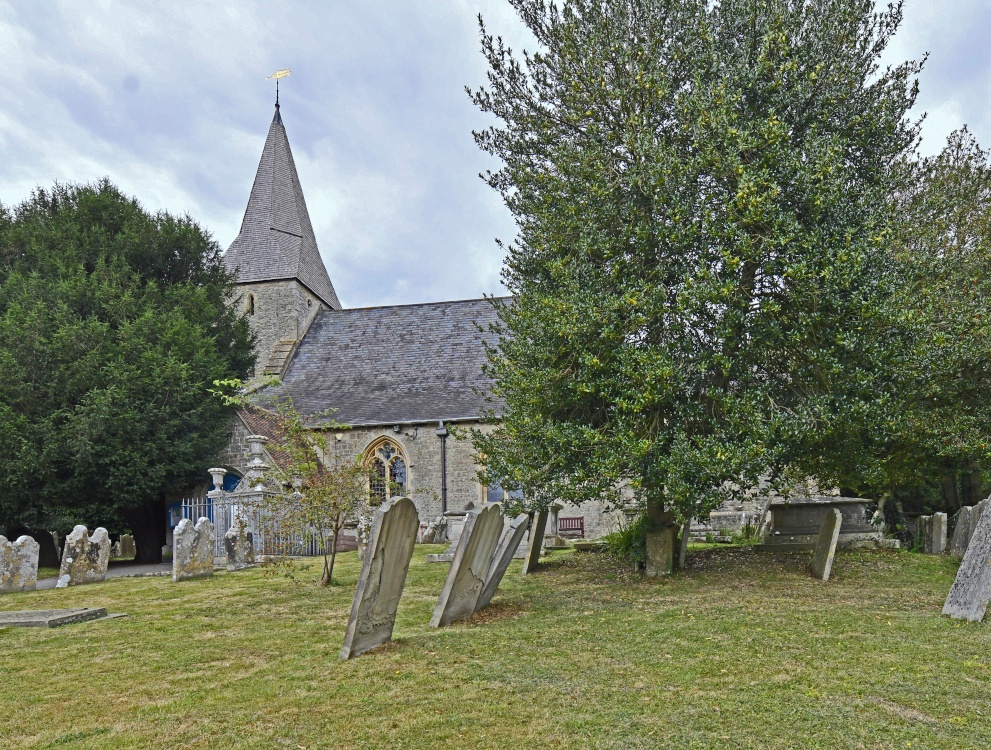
(742, 651)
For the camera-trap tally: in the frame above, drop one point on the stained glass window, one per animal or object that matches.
(389, 474)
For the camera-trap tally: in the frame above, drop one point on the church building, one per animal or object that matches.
(400, 377)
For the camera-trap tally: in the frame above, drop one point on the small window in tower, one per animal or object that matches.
(251, 304)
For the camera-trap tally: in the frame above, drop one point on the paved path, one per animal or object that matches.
(121, 571)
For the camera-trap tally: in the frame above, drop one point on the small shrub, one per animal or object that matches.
(630, 540)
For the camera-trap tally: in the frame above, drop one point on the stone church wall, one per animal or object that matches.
(282, 310)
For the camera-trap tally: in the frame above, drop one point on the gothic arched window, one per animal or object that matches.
(388, 476)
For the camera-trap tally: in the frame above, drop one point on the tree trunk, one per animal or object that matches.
(975, 478)
(147, 524)
(950, 497)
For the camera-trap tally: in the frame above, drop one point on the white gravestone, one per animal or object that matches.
(85, 557)
(829, 535)
(192, 545)
(382, 577)
(936, 539)
(961, 532)
(971, 591)
(508, 545)
(469, 567)
(18, 564)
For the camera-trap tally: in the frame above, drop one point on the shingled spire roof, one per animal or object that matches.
(276, 240)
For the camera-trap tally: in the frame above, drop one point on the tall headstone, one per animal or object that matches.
(508, 545)
(382, 577)
(923, 529)
(961, 532)
(85, 558)
(192, 545)
(469, 568)
(128, 550)
(971, 591)
(829, 535)
(936, 539)
(552, 534)
(532, 558)
(240, 547)
(18, 564)
(660, 543)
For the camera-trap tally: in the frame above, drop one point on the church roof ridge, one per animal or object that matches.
(427, 304)
(276, 240)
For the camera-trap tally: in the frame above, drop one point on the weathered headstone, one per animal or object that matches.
(436, 531)
(660, 552)
(532, 558)
(508, 545)
(921, 534)
(961, 533)
(115, 551)
(240, 548)
(936, 540)
(469, 567)
(18, 564)
(552, 534)
(50, 618)
(382, 577)
(971, 591)
(85, 558)
(127, 549)
(829, 535)
(192, 545)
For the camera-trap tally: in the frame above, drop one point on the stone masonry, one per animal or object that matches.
(18, 564)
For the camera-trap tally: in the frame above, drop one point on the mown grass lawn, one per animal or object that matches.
(743, 650)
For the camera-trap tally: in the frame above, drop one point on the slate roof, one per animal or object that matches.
(390, 365)
(276, 240)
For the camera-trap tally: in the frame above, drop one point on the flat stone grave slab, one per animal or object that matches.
(971, 591)
(504, 553)
(470, 566)
(829, 536)
(50, 618)
(382, 577)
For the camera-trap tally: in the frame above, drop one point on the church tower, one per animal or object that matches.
(282, 281)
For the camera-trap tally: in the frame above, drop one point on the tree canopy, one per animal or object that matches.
(705, 199)
(113, 326)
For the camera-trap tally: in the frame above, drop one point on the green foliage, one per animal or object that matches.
(629, 541)
(944, 254)
(701, 277)
(113, 324)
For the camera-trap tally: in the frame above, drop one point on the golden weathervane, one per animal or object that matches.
(277, 75)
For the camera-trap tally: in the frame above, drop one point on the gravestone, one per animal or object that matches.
(436, 531)
(85, 558)
(552, 535)
(18, 564)
(961, 533)
(660, 552)
(923, 529)
(971, 591)
(50, 618)
(829, 536)
(192, 555)
(469, 567)
(936, 538)
(240, 548)
(532, 557)
(508, 545)
(382, 577)
(127, 549)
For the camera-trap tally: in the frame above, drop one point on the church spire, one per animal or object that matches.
(276, 241)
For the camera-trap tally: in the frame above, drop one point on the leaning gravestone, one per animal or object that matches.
(128, 551)
(85, 557)
(383, 575)
(961, 533)
(508, 545)
(971, 591)
(936, 538)
(829, 535)
(469, 567)
(18, 564)
(192, 555)
(532, 558)
(240, 548)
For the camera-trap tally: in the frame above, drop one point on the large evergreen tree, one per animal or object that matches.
(701, 279)
(113, 325)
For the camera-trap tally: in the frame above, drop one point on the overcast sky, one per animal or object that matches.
(168, 100)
